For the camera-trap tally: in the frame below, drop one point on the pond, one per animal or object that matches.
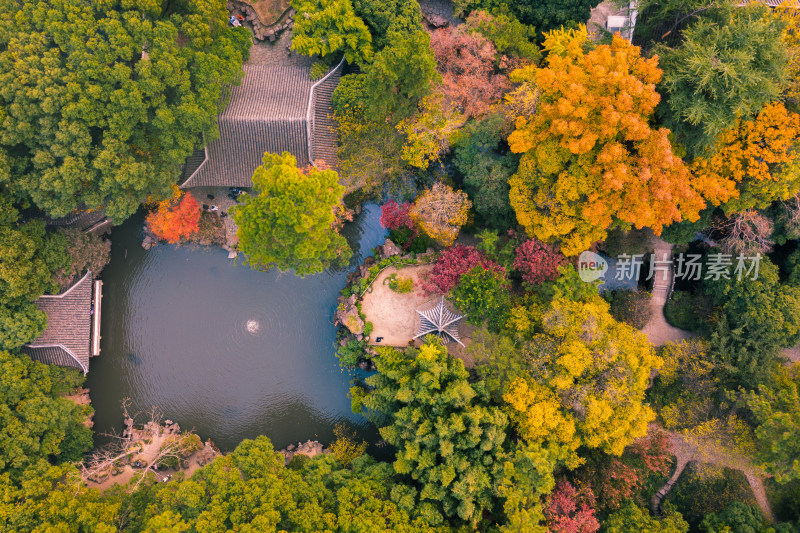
(230, 352)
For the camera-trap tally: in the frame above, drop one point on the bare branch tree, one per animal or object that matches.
(154, 444)
(746, 233)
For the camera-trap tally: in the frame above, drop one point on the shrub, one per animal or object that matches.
(318, 70)
(538, 262)
(784, 499)
(630, 307)
(349, 353)
(482, 295)
(704, 489)
(346, 447)
(452, 264)
(368, 327)
(688, 311)
(631, 242)
(87, 251)
(400, 284)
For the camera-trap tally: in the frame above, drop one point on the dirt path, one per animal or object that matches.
(658, 330)
(687, 449)
(393, 315)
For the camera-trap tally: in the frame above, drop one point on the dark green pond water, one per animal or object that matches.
(218, 347)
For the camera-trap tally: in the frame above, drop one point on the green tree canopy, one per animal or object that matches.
(759, 318)
(383, 17)
(326, 27)
(449, 439)
(486, 170)
(727, 68)
(289, 220)
(54, 498)
(400, 76)
(36, 422)
(632, 518)
(103, 101)
(776, 410)
(29, 256)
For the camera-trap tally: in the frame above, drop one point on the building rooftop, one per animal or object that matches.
(273, 110)
(67, 339)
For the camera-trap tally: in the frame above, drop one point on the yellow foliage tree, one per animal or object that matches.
(429, 132)
(753, 164)
(588, 385)
(440, 212)
(590, 158)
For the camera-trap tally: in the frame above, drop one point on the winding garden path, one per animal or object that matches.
(687, 449)
(658, 330)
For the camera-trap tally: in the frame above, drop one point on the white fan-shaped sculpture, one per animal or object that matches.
(439, 321)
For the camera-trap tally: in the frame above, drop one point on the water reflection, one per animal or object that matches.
(231, 352)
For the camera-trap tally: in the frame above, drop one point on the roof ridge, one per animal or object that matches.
(66, 292)
(63, 347)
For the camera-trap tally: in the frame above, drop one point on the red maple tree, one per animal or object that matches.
(466, 63)
(538, 262)
(175, 219)
(616, 480)
(452, 264)
(570, 511)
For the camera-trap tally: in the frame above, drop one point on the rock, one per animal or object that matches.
(363, 365)
(290, 447)
(148, 242)
(354, 323)
(390, 249)
(369, 261)
(347, 315)
(272, 38)
(232, 254)
(437, 21)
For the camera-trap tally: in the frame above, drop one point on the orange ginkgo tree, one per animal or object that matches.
(176, 218)
(754, 163)
(590, 158)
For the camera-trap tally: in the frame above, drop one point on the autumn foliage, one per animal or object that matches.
(746, 170)
(453, 263)
(570, 511)
(440, 212)
(538, 262)
(590, 157)
(466, 63)
(617, 480)
(175, 219)
(395, 216)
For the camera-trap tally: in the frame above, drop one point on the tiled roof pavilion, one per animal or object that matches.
(273, 110)
(67, 339)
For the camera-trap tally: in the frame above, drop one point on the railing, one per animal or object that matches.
(311, 101)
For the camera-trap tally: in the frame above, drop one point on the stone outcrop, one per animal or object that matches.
(389, 249)
(309, 448)
(347, 315)
(262, 30)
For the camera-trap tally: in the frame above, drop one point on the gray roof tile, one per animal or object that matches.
(67, 339)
